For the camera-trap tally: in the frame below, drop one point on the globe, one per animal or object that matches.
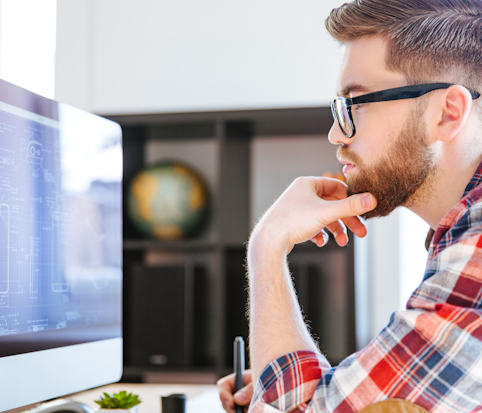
(168, 200)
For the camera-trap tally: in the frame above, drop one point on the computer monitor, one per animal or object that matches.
(60, 249)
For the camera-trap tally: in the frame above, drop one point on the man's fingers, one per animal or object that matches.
(349, 207)
(355, 225)
(321, 238)
(227, 400)
(330, 187)
(334, 189)
(226, 389)
(243, 396)
(338, 230)
(226, 383)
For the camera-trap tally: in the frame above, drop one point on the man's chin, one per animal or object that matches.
(377, 213)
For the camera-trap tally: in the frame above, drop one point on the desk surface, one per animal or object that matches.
(201, 398)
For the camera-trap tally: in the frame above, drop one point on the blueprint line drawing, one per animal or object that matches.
(5, 249)
(58, 267)
(32, 272)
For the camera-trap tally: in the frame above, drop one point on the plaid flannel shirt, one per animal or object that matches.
(430, 353)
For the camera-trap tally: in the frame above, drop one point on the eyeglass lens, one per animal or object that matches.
(343, 117)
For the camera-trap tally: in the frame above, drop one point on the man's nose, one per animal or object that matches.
(336, 136)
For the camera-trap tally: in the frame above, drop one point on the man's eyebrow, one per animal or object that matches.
(353, 87)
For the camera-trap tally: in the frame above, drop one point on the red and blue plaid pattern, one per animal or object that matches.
(430, 353)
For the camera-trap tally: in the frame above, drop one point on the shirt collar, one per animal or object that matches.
(475, 181)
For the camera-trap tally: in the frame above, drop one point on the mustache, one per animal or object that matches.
(345, 153)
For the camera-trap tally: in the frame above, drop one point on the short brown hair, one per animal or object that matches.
(427, 38)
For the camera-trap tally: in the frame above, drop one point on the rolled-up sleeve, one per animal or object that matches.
(289, 382)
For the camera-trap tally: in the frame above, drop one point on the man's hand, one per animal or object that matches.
(242, 397)
(309, 207)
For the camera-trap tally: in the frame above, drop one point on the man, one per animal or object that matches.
(416, 143)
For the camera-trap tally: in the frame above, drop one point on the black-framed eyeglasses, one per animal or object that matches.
(341, 106)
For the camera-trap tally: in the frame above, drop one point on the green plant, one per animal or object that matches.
(121, 400)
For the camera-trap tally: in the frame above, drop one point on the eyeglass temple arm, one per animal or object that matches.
(404, 92)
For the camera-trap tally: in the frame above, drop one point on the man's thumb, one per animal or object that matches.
(353, 205)
(243, 396)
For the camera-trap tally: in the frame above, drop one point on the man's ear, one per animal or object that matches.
(452, 109)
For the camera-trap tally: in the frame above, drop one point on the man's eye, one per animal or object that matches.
(356, 107)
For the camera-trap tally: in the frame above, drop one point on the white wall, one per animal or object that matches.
(121, 56)
(27, 44)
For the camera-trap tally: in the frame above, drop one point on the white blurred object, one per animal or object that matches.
(27, 44)
(413, 255)
(389, 265)
(207, 401)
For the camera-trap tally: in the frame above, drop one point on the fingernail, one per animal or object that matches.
(367, 201)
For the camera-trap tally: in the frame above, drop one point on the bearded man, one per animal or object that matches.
(407, 124)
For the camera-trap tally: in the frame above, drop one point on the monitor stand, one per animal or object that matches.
(62, 406)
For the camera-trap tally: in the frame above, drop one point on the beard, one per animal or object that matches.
(397, 178)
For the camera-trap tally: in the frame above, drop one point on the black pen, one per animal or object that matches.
(238, 368)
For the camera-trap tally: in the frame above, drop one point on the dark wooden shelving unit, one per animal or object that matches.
(212, 264)
(186, 245)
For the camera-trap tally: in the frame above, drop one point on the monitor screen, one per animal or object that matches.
(60, 248)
